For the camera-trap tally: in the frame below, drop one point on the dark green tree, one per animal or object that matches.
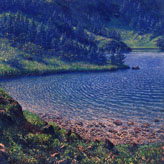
(160, 43)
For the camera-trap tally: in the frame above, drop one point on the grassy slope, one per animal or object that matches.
(28, 144)
(133, 38)
(14, 61)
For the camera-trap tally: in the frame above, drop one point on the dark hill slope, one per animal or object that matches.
(67, 28)
(62, 24)
(55, 35)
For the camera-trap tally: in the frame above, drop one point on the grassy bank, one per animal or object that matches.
(135, 39)
(37, 68)
(26, 139)
(15, 62)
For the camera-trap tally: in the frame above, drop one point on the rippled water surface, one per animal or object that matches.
(128, 94)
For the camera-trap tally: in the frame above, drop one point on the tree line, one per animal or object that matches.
(62, 26)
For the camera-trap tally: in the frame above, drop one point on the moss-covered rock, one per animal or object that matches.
(10, 111)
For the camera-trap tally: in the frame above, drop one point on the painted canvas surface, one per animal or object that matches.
(81, 82)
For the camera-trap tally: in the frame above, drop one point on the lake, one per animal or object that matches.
(125, 94)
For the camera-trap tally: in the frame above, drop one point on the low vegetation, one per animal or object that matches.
(48, 36)
(29, 140)
(15, 61)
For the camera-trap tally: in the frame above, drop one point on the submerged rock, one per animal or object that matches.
(112, 130)
(137, 130)
(156, 120)
(130, 123)
(79, 123)
(117, 122)
(146, 125)
(136, 68)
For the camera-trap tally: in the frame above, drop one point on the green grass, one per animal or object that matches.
(37, 148)
(133, 38)
(15, 61)
(27, 144)
(136, 40)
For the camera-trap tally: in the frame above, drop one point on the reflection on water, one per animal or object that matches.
(127, 94)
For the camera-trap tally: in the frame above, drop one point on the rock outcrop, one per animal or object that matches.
(10, 111)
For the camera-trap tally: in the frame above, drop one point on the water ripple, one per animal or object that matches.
(124, 94)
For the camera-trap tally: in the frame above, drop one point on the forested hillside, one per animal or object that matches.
(72, 30)
(140, 23)
(143, 15)
(76, 31)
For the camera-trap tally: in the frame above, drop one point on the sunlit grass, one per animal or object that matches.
(136, 40)
(14, 61)
(133, 38)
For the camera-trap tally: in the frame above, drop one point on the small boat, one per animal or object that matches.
(136, 68)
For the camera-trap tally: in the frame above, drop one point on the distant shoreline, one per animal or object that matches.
(71, 69)
(146, 50)
(56, 72)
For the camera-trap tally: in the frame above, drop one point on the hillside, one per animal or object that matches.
(45, 36)
(41, 37)
(55, 36)
(15, 61)
(140, 23)
(135, 39)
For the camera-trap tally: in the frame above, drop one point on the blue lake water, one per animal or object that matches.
(126, 94)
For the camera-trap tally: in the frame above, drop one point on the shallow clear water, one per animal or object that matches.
(127, 94)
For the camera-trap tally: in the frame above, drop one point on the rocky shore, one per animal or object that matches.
(27, 139)
(117, 131)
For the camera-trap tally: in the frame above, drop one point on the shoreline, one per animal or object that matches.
(24, 133)
(58, 72)
(146, 50)
(124, 133)
(117, 131)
